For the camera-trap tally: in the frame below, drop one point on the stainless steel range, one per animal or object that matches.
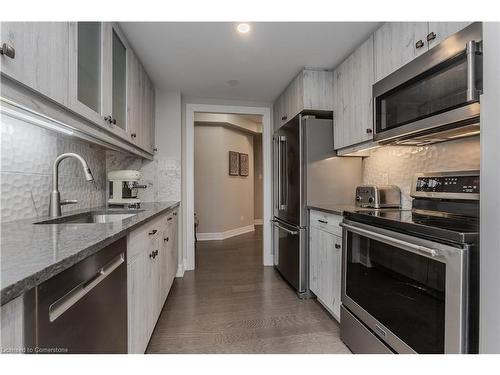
(410, 277)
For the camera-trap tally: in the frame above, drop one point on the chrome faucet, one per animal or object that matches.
(55, 197)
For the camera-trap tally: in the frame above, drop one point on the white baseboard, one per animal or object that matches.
(226, 234)
(258, 222)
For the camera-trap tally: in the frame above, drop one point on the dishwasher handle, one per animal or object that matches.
(60, 306)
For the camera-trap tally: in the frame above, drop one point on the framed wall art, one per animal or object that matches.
(244, 167)
(234, 163)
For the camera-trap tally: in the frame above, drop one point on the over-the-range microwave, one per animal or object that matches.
(435, 97)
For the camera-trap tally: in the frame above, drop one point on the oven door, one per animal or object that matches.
(435, 93)
(409, 291)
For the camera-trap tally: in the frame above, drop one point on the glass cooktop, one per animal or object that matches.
(435, 224)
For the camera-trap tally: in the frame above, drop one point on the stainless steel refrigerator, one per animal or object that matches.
(306, 171)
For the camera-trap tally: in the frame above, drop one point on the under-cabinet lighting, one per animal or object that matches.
(20, 114)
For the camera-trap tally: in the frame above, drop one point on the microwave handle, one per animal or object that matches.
(471, 49)
(426, 251)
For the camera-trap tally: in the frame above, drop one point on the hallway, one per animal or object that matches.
(232, 304)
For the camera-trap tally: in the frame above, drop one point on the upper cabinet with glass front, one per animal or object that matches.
(98, 74)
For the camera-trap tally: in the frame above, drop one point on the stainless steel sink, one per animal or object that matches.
(92, 217)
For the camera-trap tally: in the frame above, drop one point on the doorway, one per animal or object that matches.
(227, 187)
(188, 190)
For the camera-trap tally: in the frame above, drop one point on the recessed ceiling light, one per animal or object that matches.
(233, 82)
(243, 28)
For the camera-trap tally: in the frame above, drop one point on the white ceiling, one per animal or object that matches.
(198, 58)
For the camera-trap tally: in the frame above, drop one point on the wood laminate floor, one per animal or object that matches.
(231, 303)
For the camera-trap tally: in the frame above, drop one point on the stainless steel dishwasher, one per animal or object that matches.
(84, 308)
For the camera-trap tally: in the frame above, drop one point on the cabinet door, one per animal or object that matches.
(118, 80)
(317, 90)
(156, 301)
(148, 141)
(396, 45)
(139, 297)
(41, 56)
(338, 107)
(134, 97)
(337, 275)
(443, 30)
(314, 259)
(353, 113)
(360, 104)
(88, 89)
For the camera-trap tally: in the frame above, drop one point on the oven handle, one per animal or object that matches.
(392, 241)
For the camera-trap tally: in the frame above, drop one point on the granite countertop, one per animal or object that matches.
(33, 253)
(336, 209)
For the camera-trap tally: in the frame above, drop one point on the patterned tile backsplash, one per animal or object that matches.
(27, 154)
(395, 165)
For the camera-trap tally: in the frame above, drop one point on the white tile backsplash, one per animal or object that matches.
(395, 165)
(27, 154)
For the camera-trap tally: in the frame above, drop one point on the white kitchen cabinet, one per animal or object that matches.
(41, 57)
(98, 74)
(443, 30)
(12, 327)
(150, 275)
(309, 90)
(139, 275)
(325, 259)
(398, 43)
(140, 104)
(109, 86)
(352, 99)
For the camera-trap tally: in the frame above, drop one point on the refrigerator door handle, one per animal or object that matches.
(278, 225)
(282, 169)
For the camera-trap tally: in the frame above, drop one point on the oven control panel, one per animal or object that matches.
(444, 185)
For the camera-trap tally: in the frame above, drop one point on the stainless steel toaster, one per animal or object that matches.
(373, 196)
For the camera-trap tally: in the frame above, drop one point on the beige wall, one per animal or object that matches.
(395, 165)
(221, 202)
(258, 177)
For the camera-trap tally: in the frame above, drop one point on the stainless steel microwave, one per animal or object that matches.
(435, 97)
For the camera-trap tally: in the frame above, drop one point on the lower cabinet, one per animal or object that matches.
(150, 274)
(325, 262)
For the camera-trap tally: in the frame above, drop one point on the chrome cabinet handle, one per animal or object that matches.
(283, 118)
(60, 306)
(133, 135)
(431, 36)
(154, 231)
(166, 239)
(337, 246)
(8, 50)
(323, 221)
(153, 254)
(369, 131)
(391, 241)
(419, 44)
(170, 218)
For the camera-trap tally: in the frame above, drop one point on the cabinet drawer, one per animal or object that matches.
(326, 221)
(144, 238)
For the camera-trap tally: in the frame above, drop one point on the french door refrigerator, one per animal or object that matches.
(306, 171)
